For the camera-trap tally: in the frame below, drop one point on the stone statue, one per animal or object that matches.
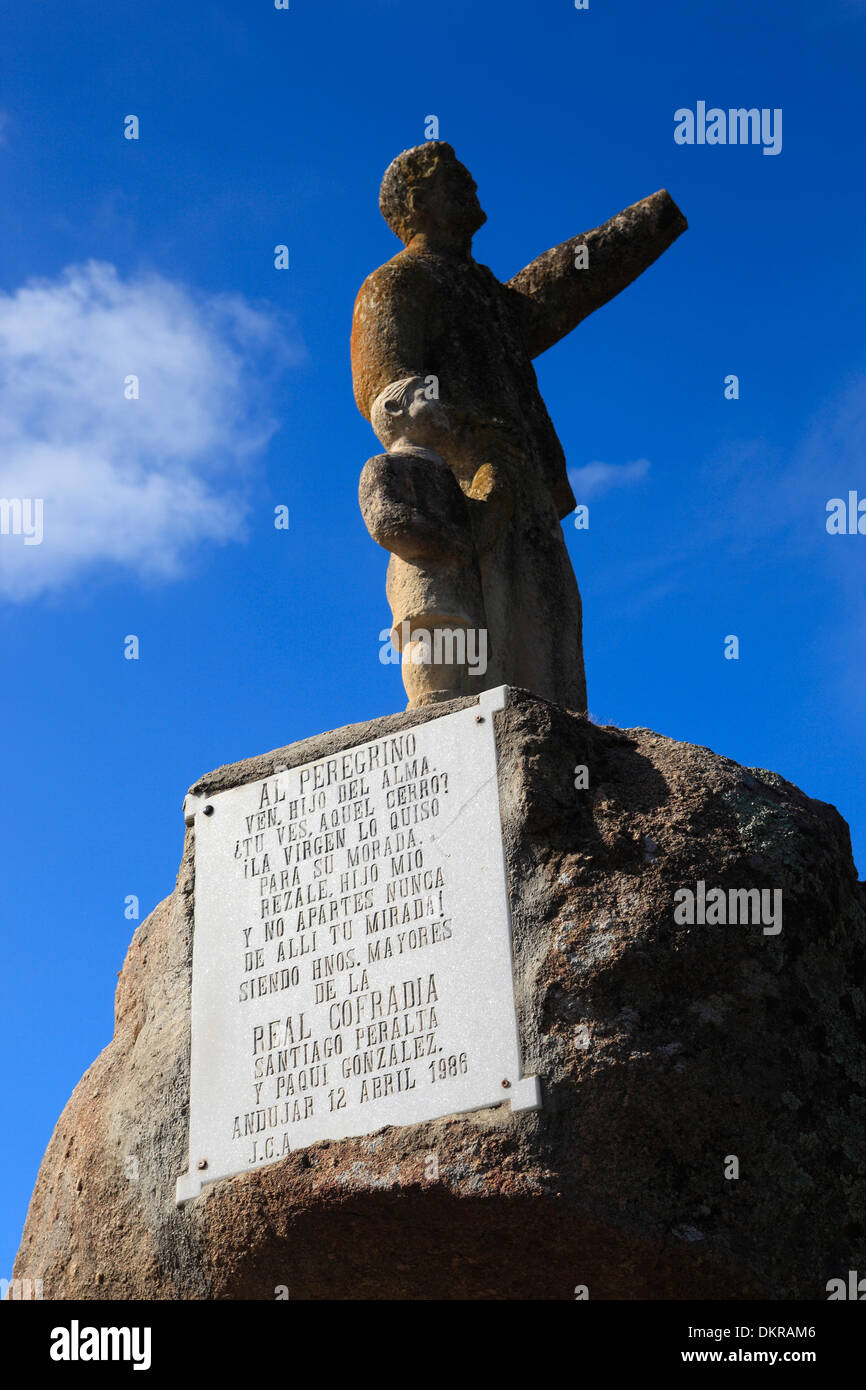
(469, 496)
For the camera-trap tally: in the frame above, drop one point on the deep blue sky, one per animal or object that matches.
(261, 127)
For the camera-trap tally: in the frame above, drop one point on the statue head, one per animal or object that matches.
(427, 189)
(404, 418)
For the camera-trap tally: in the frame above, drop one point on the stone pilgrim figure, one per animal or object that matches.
(469, 495)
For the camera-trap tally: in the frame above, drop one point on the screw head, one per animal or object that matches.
(506, 1084)
(202, 1163)
(479, 719)
(208, 810)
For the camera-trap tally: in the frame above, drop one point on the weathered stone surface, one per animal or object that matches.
(442, 356)
(662, 1050)
(413, 507)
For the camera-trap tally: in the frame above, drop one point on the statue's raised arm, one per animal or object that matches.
(564, 285)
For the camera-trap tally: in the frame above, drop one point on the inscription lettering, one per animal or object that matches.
(352, 940)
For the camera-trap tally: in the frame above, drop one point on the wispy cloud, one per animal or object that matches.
(135, 483)
(595, 478)
(756, 505)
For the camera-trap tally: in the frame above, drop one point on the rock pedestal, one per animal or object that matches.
(665, 1051)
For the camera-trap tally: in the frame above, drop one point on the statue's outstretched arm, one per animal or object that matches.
(557, 292)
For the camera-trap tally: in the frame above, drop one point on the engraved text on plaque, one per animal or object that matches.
(352, 961)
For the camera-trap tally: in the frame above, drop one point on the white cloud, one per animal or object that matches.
(758, 506)
(132, 483)
(595, 478)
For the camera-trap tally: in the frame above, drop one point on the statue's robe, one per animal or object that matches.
(423, 315)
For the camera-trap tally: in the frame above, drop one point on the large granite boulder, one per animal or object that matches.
(666, 1051)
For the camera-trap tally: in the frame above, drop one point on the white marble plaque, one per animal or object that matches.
(352, 961)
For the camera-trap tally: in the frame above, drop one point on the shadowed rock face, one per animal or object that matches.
(663, 1049)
